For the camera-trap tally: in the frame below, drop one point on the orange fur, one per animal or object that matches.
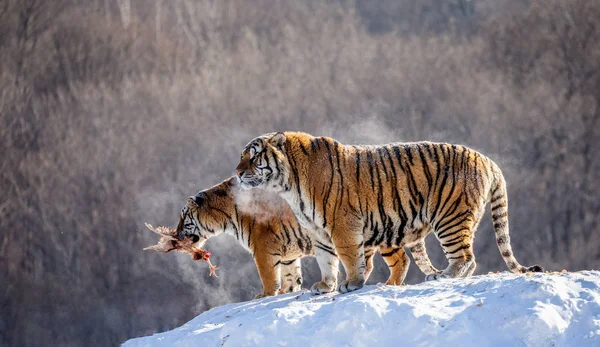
(265, 225)
(388, 196)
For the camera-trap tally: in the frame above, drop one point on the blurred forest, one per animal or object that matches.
(113, 111)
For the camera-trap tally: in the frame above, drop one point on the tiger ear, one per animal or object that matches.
(278, 140)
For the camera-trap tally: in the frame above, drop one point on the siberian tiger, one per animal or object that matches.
(265, 225)
(388, 196)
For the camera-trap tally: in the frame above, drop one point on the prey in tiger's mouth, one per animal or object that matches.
(170, 242)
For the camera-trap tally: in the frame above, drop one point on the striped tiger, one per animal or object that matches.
(387, 196)
(265, 225)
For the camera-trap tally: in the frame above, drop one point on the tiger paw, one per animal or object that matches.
(263, 295)
(290, 289)
(393, 282)
(322, 288)
(350, 285)
(435, 277)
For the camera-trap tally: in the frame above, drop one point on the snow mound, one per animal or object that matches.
(561, 309)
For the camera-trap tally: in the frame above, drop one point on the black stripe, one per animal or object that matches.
(387, 231)
(314, 144)
(459, 222)
(302, 148)
(237, 221)
(394, 264)
(450, 244)
(459, 249)
(357, 159)
(303, 235)
(408, 154)
(394, 251)
(326, 199)
(292, 162)
(401, 212)
(424, 164)
(496, 199)
(452, 233)
(414, 191)
(502, 204)
(450, 211)
(298, 239)
(370, 163)
(498, 216)
(453, 162)
(375, 232)
(453, 258)
(358, 183)
(425, 167)
(400, 231)
(321, 244)
(500, 224)
(413, 210)
(336, 146)
(286, 233)
(396, 197)
(442, 185)
(380, 151)
(328, 250)
(478, 175)
(398, 155)
(268, 160)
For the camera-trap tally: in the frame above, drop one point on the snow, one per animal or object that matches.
(559, 309)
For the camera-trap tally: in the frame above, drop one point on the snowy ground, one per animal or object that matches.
(490, 310)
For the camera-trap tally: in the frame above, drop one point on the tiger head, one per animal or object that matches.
(207, 213)
(264, 163)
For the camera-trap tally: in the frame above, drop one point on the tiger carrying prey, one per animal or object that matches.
(265, 225)
(388, 196)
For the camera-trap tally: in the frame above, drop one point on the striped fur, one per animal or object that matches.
(388, 196)
(265, 225)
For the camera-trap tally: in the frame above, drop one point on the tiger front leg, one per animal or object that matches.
(398, 262)
(269, 270)
(329, 266)
(291, 276)
(349, 246)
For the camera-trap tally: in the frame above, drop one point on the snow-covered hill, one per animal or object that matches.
(490, 310)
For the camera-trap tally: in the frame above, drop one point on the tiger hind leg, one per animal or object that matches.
(369, 254)
(471, 269)
(456, 238)
(398, 262)
(419, 253)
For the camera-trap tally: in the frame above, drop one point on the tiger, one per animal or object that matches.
(387, 196)
(265, 225)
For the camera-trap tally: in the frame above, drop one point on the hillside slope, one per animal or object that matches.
(490, 310)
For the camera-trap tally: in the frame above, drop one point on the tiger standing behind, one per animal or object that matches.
(387, 196)
(265, 225)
